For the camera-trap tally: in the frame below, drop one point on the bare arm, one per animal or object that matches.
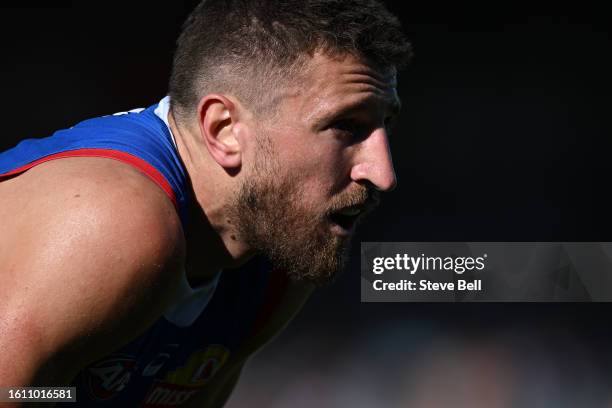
(94, 249)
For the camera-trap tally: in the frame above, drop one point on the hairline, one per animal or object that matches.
(268, 108)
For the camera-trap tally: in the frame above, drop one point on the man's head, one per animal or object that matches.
(292, 100)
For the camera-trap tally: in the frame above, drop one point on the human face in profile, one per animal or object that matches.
(321, 164)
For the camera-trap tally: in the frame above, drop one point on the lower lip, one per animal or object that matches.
(341, 231)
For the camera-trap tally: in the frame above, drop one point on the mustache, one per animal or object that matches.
(368, 198)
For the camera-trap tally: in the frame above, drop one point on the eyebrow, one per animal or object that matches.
(392, 105)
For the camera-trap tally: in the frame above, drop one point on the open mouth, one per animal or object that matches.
(346, 218)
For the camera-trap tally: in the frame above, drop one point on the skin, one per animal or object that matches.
(309, 141)
(72, 255)
(309, 135)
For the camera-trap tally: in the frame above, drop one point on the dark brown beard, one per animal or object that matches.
(270, 216)
(272, 221)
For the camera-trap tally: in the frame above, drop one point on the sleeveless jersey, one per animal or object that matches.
(184, 348)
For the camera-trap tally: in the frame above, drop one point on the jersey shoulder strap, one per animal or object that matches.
(139, 138)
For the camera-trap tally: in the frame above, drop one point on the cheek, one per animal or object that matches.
(319, 181)
(319, 166)
(331, 169)
(322, 161)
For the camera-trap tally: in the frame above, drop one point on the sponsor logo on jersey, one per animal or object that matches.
(159, 360)
(110, 376)
(164, 394)
(181, 384)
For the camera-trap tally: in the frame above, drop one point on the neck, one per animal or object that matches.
(211, 237)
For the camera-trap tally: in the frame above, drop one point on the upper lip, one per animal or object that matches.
(353, 210)
(362, 208)
(371, 201)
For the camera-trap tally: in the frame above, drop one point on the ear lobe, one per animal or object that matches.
(217, 119)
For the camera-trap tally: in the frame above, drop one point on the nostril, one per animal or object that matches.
(392, 183)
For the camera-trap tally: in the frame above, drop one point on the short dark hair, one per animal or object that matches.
(248, 47)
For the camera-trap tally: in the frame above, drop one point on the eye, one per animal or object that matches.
(344, 125)
(348, 128)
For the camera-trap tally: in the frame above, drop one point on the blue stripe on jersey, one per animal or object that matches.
(141, 134)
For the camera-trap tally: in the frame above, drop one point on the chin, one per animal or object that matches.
(321, 264)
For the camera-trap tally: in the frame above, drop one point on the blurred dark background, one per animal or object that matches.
(504, 136)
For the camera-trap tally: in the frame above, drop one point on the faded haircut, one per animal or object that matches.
(250, 48)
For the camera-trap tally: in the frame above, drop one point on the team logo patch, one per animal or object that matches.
(181, 384)
(110, 376)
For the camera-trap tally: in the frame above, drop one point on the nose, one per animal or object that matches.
(373, 162)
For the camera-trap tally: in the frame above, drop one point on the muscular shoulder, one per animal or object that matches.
(92, 246)
(92, 211)
(94, 194)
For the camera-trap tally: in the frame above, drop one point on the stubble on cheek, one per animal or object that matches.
(274, 219)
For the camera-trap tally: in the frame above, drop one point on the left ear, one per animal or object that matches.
(217, 120)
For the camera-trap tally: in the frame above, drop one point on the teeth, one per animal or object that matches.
(350, 212)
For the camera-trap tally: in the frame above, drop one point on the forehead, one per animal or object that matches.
(330, 84)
